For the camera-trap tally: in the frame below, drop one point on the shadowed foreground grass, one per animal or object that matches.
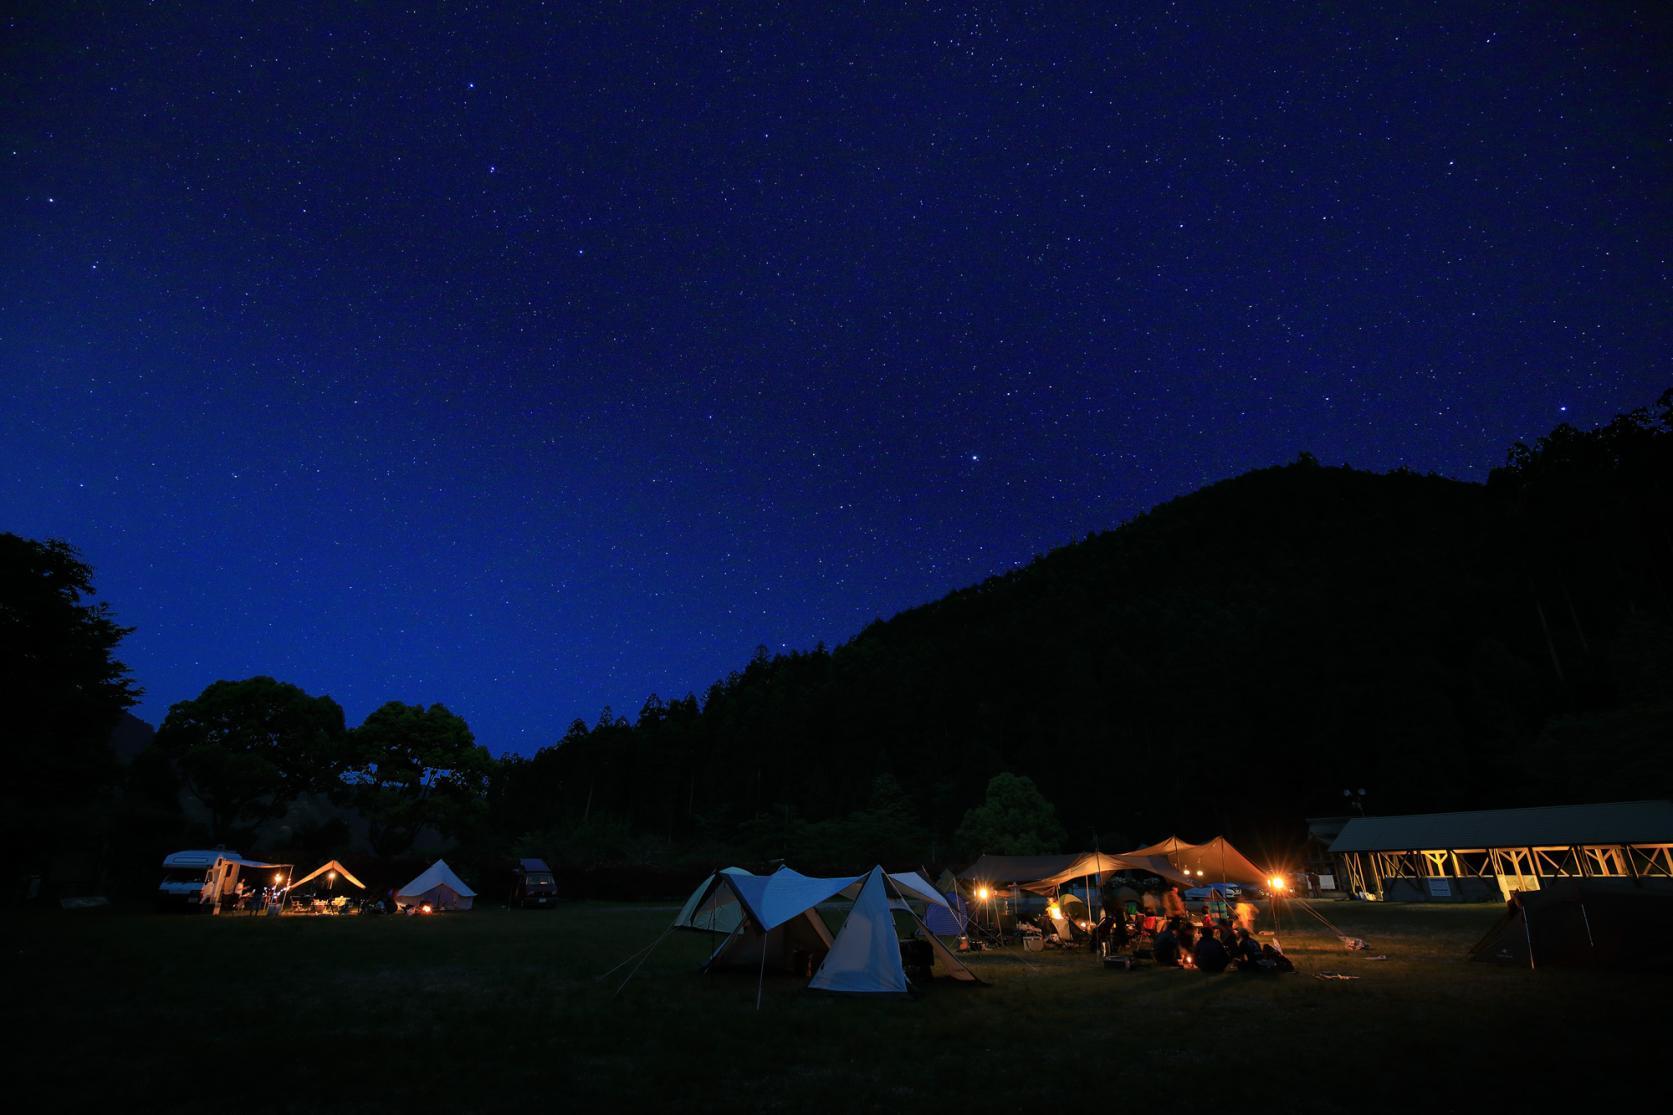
(498, 1008)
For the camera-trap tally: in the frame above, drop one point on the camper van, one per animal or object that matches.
(202, 880)
(533, 886)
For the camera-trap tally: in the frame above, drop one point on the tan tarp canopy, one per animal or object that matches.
(1102, 863)
(1005, 870)
(329, 865)
(1216, 859)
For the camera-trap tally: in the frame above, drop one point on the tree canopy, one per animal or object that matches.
(1014, 819)
(247, 749)
(415, 767)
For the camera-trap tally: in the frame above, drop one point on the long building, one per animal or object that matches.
(1489, 854)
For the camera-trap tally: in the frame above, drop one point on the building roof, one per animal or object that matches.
(1622, 822)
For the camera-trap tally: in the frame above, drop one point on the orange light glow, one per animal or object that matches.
(982, 894)
(1277, 882)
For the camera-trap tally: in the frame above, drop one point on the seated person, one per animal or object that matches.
(1186, 932)
(1248, 951)
(1166, 947)
(1101, 932)
(1210, 954)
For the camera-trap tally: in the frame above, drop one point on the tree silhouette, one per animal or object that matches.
(247, 749)
(63, 691)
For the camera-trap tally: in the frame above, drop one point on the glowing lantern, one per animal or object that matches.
(1277, 882)
(982, 894)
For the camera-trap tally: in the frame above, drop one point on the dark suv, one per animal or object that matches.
(532, 885)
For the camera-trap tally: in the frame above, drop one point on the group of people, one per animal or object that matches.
(1222, 939)
(1212, 948)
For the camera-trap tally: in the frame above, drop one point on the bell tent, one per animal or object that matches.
(438, 887)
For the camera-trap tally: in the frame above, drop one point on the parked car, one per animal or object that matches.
(1232, 891)
(533, 886)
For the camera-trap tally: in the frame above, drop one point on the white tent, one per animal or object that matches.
(718, 917)
(437, 887)
(777, 917)
(866, 954)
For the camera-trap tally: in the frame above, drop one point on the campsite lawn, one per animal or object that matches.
(497, 1008)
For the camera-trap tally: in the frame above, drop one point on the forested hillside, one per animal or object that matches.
(1231, 661)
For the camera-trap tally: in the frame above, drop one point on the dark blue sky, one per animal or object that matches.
(529, 363)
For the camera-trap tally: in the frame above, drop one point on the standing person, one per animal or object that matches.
(1149, 903)
(1166, 947)
(1173, 905)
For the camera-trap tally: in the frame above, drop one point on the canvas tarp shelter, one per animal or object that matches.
(1095, 865)
(779, 915)
(437, 887)
(1007, 870)
(1579, 923)
(328, 865)
(1216, 859)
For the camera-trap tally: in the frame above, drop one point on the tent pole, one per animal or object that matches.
(1528, 932)
(761, 979)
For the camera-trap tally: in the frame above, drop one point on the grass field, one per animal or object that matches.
(497, 1008)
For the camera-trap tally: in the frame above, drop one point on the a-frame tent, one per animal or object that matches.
(865, 957)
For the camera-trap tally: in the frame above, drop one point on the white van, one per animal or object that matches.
(202, 880)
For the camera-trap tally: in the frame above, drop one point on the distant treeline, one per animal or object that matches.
(1229, 662)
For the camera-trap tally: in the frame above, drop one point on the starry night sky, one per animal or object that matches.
(533, 362)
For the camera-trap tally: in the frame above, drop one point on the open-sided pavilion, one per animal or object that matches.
(1492, 853)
